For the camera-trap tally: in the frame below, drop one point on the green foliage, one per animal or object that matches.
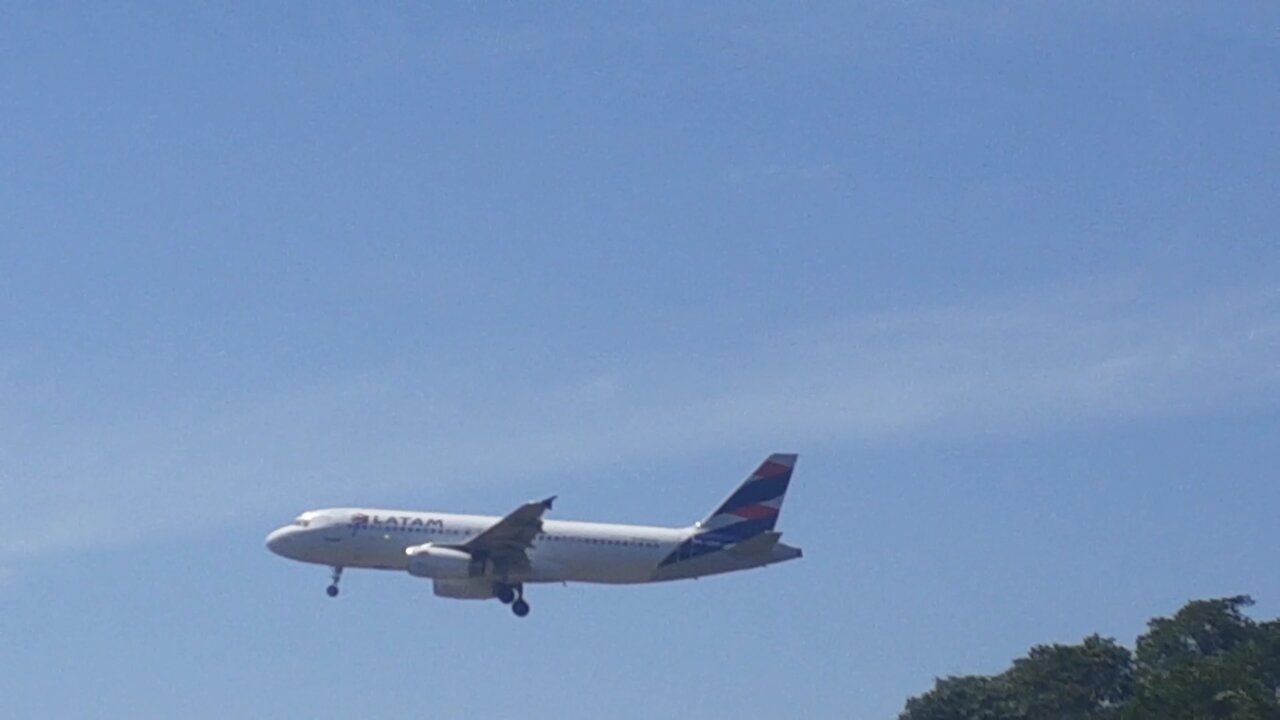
(1207, 662)
(1072, 682)
(971, 697)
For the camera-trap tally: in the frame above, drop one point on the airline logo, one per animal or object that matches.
(394, 521)
(752, 509)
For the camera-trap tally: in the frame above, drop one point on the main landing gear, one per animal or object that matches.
(513, 595)
(520, 607)
(332, 590)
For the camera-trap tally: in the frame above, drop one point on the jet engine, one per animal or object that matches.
(442, 563)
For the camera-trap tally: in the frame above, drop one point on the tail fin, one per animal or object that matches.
(752, 508)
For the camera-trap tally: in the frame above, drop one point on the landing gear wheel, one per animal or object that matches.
(520, 607)
(332, 591)
(506, 594)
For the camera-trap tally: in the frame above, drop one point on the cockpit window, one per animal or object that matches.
(302, 522)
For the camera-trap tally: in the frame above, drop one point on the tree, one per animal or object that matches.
(971, 697)
(1207, 662)
(1072, 682)
(1063, 682)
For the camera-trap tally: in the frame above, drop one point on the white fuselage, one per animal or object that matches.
(564, 551)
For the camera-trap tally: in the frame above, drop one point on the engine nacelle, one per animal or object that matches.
(473, 589)
(442, 563)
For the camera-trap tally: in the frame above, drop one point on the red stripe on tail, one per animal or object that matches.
(753, 512)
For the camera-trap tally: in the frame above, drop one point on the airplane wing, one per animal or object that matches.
(506, 541)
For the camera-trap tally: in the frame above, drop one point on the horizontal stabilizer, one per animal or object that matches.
(761, 544)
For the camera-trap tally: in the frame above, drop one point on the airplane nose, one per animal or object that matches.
(278, 540)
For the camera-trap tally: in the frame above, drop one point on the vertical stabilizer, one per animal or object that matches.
(753, 508)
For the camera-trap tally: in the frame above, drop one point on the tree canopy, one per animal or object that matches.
(1208, 662)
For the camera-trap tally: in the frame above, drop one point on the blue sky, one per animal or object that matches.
(1005, 275)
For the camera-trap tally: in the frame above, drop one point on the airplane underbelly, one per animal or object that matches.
(552, 566)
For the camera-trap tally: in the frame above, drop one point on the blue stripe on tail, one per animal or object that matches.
(756, 492)
(757, 501)
(751, 509)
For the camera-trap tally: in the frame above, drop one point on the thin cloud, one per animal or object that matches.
(1016, 366)
(1012, 366)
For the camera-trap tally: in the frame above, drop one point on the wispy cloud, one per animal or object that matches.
(1013, 365)
(1016, 365)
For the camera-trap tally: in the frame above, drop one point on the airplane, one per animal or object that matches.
(477, 557)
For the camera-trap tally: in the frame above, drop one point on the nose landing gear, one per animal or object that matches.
(332, 590)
